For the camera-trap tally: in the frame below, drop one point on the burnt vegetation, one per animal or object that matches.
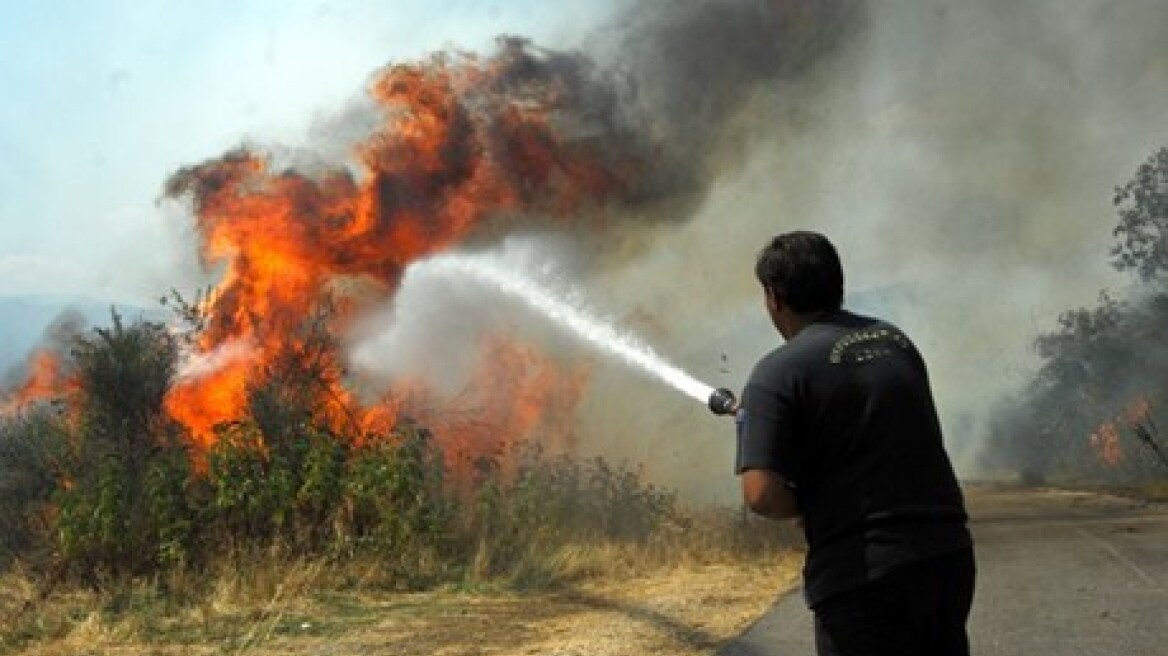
(1091, 411)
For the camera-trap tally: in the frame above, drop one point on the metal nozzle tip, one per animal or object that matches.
(723, 402)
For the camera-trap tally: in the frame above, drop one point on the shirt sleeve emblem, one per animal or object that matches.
(860, 346)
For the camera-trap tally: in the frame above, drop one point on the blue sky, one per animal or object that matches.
(103, 99)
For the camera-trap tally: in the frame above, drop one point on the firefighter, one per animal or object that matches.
(837, 427)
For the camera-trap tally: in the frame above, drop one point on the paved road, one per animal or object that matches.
(1059, 574)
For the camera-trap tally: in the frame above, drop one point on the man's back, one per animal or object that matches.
(838, 426)
(847, 409)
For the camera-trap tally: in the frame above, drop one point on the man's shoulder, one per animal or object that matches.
(850, 324)
(848, 320)
(862, 340)
(826, 334)
(823, 344)
(792, 359)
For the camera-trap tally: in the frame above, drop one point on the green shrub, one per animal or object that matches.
(528, 505)
(396, 504)
(251, 492)
(106, 523)
(172, 502)
(33, 449)
(319, 493)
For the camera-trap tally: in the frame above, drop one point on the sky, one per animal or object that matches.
(103, 99)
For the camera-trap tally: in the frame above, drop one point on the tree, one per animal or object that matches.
(1099, 359)
(1142, 232)
(119, 506)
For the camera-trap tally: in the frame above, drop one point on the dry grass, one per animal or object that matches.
(682, 593)
(1156, 491)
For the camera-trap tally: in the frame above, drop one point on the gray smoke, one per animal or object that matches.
(962, 157)
(697, 63)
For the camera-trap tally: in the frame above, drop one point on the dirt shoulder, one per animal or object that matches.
(987, 502)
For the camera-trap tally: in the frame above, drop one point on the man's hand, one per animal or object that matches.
(766, 493)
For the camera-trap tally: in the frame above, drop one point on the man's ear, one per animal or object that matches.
(773, 298)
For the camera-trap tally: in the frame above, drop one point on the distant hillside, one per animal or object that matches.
(27, 321)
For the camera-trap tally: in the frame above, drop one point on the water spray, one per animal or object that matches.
(595, 332)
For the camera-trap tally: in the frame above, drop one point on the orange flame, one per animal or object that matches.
(1105, 443)
(1138, 411)
(524, 391)
(464, 141)
(518, 392)
(210, 401)
(46, 379)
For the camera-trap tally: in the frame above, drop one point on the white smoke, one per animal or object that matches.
(431, 329)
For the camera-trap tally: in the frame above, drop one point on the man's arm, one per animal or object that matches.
(766, 493)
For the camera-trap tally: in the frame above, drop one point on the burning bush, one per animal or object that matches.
(105, 487)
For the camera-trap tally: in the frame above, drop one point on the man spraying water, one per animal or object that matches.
(838, 427)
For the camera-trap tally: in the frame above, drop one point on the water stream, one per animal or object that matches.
(601, 335)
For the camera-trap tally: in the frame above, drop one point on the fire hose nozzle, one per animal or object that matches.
(723, 402)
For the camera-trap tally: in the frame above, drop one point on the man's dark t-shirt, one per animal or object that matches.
(844, 413)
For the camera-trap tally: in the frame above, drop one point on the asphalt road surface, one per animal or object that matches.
(1059, 574)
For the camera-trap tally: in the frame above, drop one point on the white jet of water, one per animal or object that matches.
(194, 365)
(603, 336)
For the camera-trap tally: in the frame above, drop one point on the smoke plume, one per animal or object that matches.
(962, 157)
(466, 149)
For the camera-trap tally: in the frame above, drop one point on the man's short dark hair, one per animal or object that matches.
(804, 270)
